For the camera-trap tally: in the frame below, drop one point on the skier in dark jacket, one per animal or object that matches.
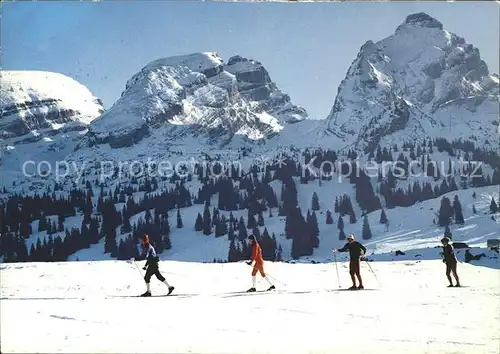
(356, 250)
(450, 260)
(151, 266)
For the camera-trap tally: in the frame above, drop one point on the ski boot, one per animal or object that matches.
(272, 287)
(353, 288)
(458, 285)
(251, 290)
(361, 287)
(170, 289)
(451, 286)
(146, 294)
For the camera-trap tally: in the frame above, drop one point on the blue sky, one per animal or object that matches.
(306, 47)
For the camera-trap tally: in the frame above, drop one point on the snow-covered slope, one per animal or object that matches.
(196, 96)
(420, 81)
(91, 307)
(42, 118)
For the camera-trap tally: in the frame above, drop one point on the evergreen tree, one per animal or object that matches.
(457, 210)
(215, 217)
(60, 223)
(340, 223)
(314, 229)
(230, 233)
(342, 235)
(242, 230)
(366, 233)
(474, 211)
(352, 217)
(445, 212)
(279, 254)
(260, 219)
(383, 217)
(198, 226)
(42, 224)
(301, 237)
(251, 221)
(329, 219)
(207, 222)
(110, 245)
(167, 243)
(180, 225)
(315, 201)
(233, 255)
(53, 228)
(126, 227)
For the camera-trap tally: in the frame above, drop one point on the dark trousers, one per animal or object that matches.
(153, 270)
(451, 267)
(354, 271)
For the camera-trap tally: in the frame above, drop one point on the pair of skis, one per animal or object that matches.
(253, 290)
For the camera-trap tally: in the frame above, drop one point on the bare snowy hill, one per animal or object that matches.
(420, 81)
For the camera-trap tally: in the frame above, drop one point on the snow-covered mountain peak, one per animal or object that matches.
(196, 95)
(207, 63)
(420, 19)
(420, 81)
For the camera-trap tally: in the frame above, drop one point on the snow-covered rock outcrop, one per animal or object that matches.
(420, 81)
(196, 95)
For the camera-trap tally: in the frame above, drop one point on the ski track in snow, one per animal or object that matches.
(76, 307)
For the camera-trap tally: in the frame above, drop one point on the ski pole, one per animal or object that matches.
(137, 268)
(270, 276)
(375, 275)
(337, 268)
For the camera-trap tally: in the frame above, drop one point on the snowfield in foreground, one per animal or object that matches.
(83, 307)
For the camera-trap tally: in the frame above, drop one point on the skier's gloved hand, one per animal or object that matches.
(145, 268)
(249, 262)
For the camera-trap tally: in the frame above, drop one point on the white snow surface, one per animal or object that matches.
(77, 307)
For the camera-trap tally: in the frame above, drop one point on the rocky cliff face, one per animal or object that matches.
(196, 95)
(421, 81)
(35, 104)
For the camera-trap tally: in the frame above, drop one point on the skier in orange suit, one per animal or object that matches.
(258, 265)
